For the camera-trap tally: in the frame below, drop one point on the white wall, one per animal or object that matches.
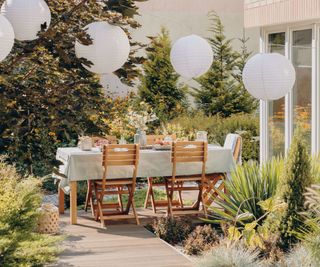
(184, 17)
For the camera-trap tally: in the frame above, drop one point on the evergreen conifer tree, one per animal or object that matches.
(159, 84)
(297, 178)
(221, 90)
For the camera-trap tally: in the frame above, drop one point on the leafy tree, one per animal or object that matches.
(159, 84)
(221, 90)
(47, 98)
(296, 179)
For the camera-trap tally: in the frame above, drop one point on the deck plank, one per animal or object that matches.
(119, 245)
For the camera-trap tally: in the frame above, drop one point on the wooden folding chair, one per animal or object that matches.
(113, 156)
(150, 198)
(210, 192)
(88, 203)
(187, 153)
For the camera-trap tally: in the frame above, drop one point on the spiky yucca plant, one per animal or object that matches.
(248, 186)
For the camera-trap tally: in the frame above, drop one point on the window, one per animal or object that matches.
(276, 116)
(302, 92)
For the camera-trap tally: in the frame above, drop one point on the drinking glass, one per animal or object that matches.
(202, 136)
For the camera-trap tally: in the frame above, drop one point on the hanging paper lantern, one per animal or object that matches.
(6, 37)
(26, 17)
(113, 86)
(269, 76)
(109, 50)
(191, 56)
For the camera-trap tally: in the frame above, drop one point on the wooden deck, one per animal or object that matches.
(119, 245)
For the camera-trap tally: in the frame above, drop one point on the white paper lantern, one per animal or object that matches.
(269, 76)
(191, 56)
(113, 86)
(26, 17)
(109, 50)
(6, 37)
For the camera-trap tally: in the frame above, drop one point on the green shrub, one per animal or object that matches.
(231, 256)
(297, 177)
(19, 200)
(201, 239)
(217, 127)
(248, 186)
(172, 230)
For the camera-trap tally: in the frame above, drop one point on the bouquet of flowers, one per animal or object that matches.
(140, 118)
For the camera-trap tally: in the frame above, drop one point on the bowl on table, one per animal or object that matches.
(162, 145)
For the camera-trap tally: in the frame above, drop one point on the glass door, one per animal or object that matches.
(301, 54)
(276, 109)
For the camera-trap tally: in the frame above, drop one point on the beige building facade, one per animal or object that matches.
(291, 28)
(185, 17)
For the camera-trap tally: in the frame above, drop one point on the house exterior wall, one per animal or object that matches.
(293, 18)
(260, 13)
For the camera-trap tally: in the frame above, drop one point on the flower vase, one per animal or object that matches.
(143, 139)
(137, 136)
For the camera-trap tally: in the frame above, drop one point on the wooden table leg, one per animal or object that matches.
(73, 202)
(61, 201)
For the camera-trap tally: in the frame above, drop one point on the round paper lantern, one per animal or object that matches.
(109, 50)
(113, 86)
(269, 76)
(191, 56)
(26, 17)
(6, 37)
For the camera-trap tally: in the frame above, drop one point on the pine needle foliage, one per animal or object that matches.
(296, 179)
(159, 83)
(221, 89)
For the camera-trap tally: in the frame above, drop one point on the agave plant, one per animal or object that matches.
(248, 186)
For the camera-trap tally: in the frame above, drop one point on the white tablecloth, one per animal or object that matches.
(87, 165)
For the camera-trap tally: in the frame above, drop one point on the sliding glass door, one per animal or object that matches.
(276, 109)
(287, 114)
(302, 93)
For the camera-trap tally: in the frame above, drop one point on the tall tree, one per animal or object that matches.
(221, 90)
(47, 98)
(159, 83)
(296, 179)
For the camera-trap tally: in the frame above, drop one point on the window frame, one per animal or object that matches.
(315, 95)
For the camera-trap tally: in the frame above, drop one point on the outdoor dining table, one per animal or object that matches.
(79, 165)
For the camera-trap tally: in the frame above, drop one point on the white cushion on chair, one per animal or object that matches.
(230, 143)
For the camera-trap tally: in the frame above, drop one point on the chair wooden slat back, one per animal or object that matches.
(120, 155)
(188, 152)
(151, 139)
